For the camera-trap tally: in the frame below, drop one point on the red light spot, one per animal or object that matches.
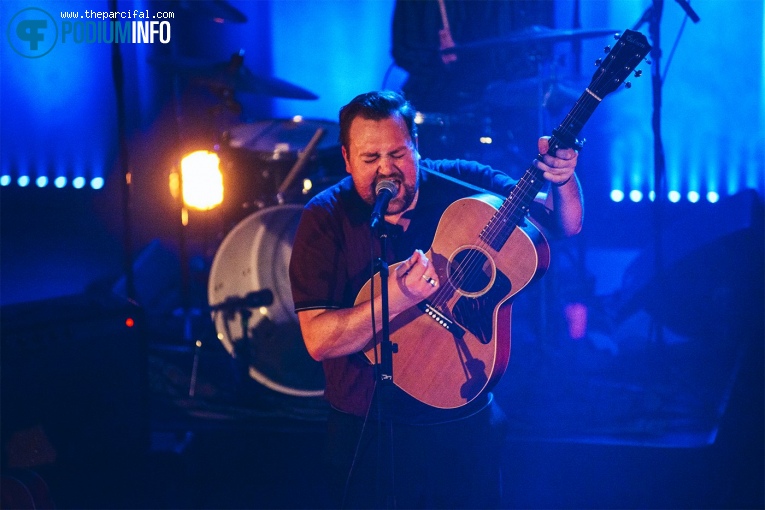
(129, 322)
(576, 318)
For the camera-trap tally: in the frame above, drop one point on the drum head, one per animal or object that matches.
(255, 256)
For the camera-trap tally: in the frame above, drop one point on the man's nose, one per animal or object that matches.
(387, 166)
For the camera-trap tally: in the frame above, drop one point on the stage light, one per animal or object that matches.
(78, 182)
(693, 196)
(307, 185)
(5, 180)
(201, 181)
(652, 195)
(485, 140)
(41, 181)
(617, 195)
(59, 181)
(23, 181)
(636, 195)
(674, 196)
(97, 182)
(713, 197)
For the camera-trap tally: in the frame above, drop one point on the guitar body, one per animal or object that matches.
(447, 367)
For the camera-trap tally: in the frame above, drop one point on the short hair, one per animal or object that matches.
(376, 105)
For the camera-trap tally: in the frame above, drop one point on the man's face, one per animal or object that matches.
(382, 150)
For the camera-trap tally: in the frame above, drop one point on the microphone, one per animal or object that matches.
(254, 299)
(385, 190)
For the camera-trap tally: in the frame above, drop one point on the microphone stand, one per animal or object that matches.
(385, 371)
(652, 16)
(659, 163)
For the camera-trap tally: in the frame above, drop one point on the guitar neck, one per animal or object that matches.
(628, 52)
(517, 205)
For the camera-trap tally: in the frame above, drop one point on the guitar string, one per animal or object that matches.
(527, 183)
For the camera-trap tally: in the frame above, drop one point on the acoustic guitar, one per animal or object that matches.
(455, 345)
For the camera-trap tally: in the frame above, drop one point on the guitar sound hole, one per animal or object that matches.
(470, 271)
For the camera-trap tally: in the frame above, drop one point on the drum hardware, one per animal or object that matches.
(297, 168)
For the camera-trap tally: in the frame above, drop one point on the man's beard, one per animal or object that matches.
(397, 205)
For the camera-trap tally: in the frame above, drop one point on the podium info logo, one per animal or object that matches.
(32, 32)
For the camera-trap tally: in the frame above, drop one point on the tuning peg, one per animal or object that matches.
(638, 73)
(617, 36)
(598, 61)
(607, 49)
(627, 85)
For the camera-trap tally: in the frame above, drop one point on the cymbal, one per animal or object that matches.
(533, 34)
(219, 11)
(532, 93)
(232, 76)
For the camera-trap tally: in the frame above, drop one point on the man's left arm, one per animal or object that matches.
(565, 197)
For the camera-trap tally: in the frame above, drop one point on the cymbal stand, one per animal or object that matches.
(652, 16)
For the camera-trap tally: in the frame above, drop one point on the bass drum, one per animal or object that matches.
(254, 256)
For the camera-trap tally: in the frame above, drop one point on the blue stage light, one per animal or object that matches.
(97, 182)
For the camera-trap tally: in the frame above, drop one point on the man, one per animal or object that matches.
(440, 457)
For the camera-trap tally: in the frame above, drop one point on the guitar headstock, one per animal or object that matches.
(631, 48)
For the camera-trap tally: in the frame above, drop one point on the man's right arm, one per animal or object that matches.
(331, 333)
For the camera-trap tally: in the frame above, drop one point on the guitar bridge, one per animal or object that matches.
(448, 324)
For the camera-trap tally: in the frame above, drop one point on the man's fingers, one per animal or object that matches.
(543, 144)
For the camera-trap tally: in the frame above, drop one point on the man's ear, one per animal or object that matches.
(345, 158)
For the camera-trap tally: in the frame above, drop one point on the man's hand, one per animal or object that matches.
(416, 278)
(557, 169)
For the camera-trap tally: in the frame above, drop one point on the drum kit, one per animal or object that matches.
(261, 163)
